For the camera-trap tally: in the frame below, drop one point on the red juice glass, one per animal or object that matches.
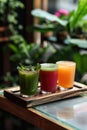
(48, 77)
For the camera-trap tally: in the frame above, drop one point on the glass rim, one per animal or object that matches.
(66, 62)
(48, 66)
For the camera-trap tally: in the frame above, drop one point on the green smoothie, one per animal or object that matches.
(28, 80)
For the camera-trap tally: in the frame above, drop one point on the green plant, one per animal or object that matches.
(27, 53)
(54, 23)
(79, 14)
(64, 53)
(47, 16)
(81, 43)
(81, 60)
(29, 68)
(47, 21)
(9, 20)
(9, 17)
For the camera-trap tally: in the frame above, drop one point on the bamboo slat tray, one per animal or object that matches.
(13, 94)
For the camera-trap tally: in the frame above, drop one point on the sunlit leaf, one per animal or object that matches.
(48, 16)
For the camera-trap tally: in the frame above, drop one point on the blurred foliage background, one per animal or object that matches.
(73, 46)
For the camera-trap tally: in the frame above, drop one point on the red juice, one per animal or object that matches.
(48, 77)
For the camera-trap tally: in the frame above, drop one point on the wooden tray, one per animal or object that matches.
(14, 95)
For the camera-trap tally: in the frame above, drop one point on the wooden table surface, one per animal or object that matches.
(31, 115)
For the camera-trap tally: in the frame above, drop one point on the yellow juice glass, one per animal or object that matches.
(66, 73)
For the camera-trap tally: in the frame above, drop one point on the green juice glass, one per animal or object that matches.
(28, 81)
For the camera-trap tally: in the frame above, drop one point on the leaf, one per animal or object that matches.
(29, 68)
(38, 66)
(47, 16)
(79, 42)
(81, 62)
(4, 1)
(79, 13)
(77, 59)
(13, 48)
(24, 49)
(44, 28)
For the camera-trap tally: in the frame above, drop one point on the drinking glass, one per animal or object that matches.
(48, 77)
(66, 73)
(28, 81)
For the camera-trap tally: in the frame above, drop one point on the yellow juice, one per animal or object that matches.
(66, 73)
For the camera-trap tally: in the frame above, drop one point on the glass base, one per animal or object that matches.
(29, 96)
(44, 92)
(64, 89)
(26, 96)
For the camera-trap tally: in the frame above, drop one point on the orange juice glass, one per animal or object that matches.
(66, 73)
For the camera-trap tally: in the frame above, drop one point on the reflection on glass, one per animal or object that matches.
(72, 112)
(66, 113)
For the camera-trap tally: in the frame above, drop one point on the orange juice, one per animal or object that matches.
(66, 73)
